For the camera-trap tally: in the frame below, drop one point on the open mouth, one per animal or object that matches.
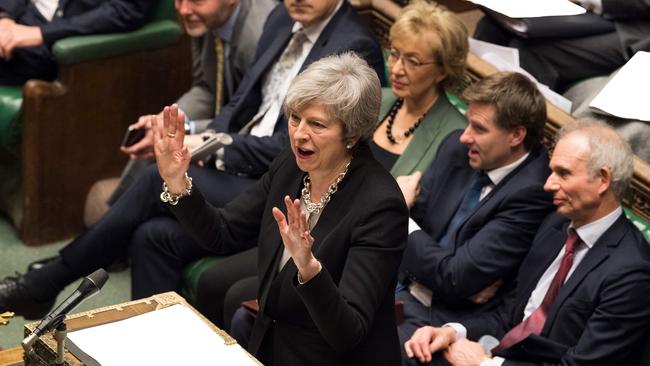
(304, 153)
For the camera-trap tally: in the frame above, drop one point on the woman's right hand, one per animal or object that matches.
(172, 158)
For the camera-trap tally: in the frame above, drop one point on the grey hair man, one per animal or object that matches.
(581, 291)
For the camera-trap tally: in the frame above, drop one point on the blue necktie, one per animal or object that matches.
(471, 199)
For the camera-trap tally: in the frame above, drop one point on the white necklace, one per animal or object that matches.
(316, 208)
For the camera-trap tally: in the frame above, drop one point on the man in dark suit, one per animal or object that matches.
(581, 295)
(558, 62)
(228, 27)
(329, 27)
(455, 251)
(28, 29)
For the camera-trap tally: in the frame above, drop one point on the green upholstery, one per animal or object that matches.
(83, 48)
(641, 224)
(161, 31)
(192, 274)
(10, 101)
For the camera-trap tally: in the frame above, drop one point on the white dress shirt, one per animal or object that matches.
(589, 234)
(266, 126)
(47, 8)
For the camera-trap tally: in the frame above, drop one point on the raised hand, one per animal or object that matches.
(296, 238)
(172, 158)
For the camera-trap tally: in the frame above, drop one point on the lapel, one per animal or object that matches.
(500, 187)
(270, 238)
(318, 50)
(431, 127)
(273, 52)
(596, 255)
(546, 249)
(446, 200)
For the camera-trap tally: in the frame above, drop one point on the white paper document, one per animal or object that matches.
(170, 336)
(626, 95)
(532, 8)
(507, 59)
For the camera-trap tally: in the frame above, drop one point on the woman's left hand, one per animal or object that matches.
(296, 238)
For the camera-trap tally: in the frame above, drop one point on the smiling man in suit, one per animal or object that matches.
(479, 206)
(294, 36)
(581, 295)
(28, 29)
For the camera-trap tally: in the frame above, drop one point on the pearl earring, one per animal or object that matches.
(349, 146)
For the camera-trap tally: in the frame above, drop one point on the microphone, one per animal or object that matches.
(89, 286)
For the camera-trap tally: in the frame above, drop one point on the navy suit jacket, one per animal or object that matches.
(601, 313)
(78, 17)
(491, 242)
(251, 155)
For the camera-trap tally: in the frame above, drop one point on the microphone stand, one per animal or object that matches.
(59, 335)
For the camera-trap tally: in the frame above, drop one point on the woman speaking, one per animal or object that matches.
(330, 223)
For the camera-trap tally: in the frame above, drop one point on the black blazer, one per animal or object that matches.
(79, 17)
(343, 316)
(601, 313)
(491, 242)
(251, 155)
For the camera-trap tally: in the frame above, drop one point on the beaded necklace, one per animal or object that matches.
(391, 118)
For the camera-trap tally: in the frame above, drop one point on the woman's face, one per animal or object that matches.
(413, 70)
(316, 140)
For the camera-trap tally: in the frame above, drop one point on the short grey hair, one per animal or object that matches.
(346, 86)
(606, 148)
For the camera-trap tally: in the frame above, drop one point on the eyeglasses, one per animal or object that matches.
(409, 63)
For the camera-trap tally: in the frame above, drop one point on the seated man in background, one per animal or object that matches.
(479, 206)
(28, 29)
(294, 36)
(582, 291)
(558, 62)
(224, 37)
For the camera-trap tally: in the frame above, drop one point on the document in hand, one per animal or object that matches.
(531, 8)
(626, 95)
(170, 336)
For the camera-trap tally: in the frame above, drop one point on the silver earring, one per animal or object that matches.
(349, 146)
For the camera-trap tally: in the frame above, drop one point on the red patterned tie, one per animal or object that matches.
(535, 322)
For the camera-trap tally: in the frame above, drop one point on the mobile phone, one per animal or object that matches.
(132, 136)
(210, 146)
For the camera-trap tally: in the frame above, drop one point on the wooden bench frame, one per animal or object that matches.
(380, 14)
(72, 129)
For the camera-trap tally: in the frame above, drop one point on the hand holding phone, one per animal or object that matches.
(132, 136)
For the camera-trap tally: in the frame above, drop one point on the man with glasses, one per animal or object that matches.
(479, 206)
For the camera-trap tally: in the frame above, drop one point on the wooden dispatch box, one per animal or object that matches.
(44, 349)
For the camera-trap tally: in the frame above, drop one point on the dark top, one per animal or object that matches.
(386, 158)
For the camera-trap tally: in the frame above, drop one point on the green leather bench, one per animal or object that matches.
(67, 132)
(160, 31)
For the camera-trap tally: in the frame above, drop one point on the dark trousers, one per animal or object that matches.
(558, 62)
(141, 225)
(222, 287)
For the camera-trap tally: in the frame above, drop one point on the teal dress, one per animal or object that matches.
(444, 116)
